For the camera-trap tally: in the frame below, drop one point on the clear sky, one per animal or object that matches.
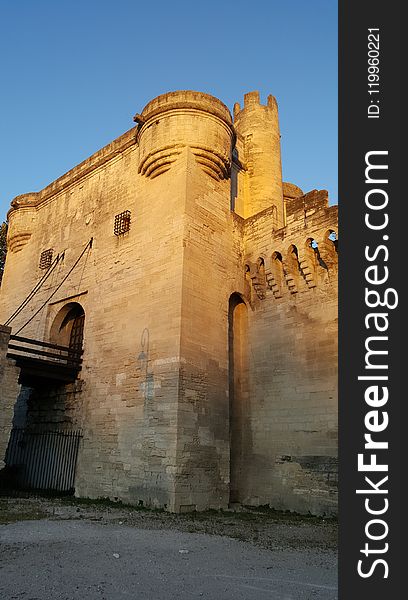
(73, 74)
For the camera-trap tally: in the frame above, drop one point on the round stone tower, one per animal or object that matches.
(258, 126)
(21, 221)
(22, 218)
(182, 119)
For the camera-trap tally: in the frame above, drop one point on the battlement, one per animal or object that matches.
(184, 99)
(302, 207)
(302, 255)
(251, 100)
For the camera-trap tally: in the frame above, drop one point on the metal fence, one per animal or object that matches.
(43, 460)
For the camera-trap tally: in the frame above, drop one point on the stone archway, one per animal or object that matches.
(238, 396)
(67, 328)
(44, 443)
(51, 403)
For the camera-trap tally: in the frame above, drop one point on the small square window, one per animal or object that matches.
(46, 259)
(122, 223)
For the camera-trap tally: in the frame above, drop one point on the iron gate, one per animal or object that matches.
(43, 460)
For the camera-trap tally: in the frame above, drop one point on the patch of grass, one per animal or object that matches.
(244, 514)
(13, 516)
(103, 502)
(287, 515)
(252, 514)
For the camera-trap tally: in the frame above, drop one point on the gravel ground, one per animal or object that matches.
(68, 550)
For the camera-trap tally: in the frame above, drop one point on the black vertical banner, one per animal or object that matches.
(373, 332)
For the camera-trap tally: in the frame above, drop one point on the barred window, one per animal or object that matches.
(46, 259)
(122, 223)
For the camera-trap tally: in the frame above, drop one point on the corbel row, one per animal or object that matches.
(297, 270)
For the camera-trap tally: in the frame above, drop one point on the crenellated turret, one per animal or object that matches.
(182, 119)
(258, 129)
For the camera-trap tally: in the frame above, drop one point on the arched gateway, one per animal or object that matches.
(44, 442)
(238, 395)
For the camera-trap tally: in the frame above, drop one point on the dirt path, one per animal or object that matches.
(53, 549)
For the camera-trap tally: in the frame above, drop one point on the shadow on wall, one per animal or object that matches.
(147, 383)
(239, 398)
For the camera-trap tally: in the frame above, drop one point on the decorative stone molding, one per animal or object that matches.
(274, 275)
(255, 274)
(17, 242)
(215, 164)
(328, 251)
(159, 161)
(308, 264)
(291, 269)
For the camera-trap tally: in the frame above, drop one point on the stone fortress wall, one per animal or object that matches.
(209, 365)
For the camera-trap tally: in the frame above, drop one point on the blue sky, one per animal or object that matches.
(73, 74)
